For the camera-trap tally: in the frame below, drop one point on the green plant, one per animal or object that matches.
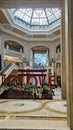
(47, 90)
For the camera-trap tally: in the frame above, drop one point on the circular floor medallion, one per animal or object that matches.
(20, 106)
(57, 106)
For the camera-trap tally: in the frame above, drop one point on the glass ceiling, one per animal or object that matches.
(37, 17)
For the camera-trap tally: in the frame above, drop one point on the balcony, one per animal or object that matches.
(13, 53)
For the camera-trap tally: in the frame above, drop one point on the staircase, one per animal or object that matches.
(7, 71)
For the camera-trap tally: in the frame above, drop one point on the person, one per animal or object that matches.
(34, 92)
(39, 92)
(52, 90)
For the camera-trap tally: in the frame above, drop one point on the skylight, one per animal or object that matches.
(36, 18)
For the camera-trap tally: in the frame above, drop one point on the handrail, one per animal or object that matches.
(6, 68)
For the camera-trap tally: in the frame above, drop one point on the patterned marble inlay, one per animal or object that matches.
(57, 106)
(20, 106)
(65, 105)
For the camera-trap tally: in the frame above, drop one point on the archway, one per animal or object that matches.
(12, 52)
(41, 56)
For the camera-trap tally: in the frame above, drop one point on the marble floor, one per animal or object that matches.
(41, 108)
(33, 114)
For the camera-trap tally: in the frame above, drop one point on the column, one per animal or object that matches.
(21, 50)
(69, 58)
(63, 60)
(1, 54)
(7, 47)
(31, 58)
(47, 58)
(47, 65)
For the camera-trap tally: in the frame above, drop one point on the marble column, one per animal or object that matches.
(63, 68)
(47, 59)
(31, 58)
(21, 50)
(7, 47)
(69, 58)
(0, 56)
(2, 53)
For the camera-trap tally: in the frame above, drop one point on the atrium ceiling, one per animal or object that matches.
(37, 18)
(44, 21)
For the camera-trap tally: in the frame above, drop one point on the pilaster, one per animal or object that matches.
(63, 58)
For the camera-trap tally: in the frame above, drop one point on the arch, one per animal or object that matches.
(13, 44)
(40, 56)
(13, 39)
(42, 47)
